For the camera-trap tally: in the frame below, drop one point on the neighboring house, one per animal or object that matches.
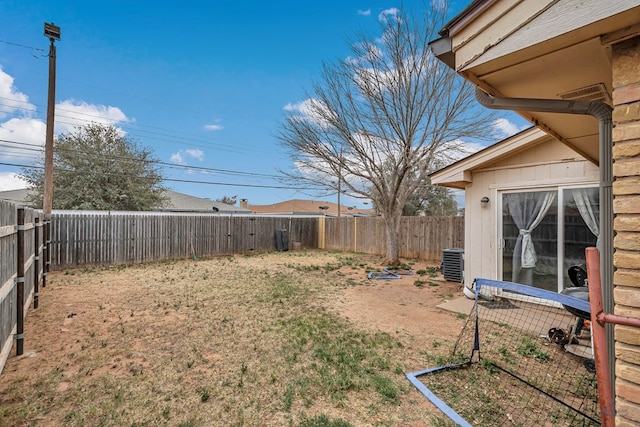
(15, 196)
(537, 177)
(178, 202)
(306, 207)
(585, 50)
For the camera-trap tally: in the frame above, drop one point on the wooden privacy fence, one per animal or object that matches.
(101, 238)
(23, 266)
(75, 239)
(420, 237)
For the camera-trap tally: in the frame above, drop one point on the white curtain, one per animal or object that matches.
(586, 201)
(527, 211)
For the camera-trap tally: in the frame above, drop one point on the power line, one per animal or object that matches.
(22, 45)
(168, 134)
(173, 137)
(21, 145)
(278, 187)
(185, 140)
(21, 165)
(155, 162)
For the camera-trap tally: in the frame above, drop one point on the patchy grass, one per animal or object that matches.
(231, 341)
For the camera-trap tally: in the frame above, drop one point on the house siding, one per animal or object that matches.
(626, 206)
(545, 165)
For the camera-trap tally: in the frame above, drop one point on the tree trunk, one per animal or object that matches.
(392, 232)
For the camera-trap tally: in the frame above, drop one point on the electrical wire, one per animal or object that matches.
(22, 45)
(26, 150)
(280, 187)
(135, 130)
(154, 162)
(176, 138)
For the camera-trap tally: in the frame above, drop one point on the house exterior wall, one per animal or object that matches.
(548, 164)
(626, 207)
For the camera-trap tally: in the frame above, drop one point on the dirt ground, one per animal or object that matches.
(74, 319)
(398, 306)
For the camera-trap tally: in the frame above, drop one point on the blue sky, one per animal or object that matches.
(202, 83)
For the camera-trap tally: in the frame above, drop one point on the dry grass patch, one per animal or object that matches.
(231, 341)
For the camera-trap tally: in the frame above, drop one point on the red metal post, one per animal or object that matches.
(618, 320)
(605, 392)
(598, 320)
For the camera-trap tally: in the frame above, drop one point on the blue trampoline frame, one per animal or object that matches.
(507, 286)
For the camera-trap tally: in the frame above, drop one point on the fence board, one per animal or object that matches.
(30, 269)
(420, 237)
(90, 238)
(80, 239)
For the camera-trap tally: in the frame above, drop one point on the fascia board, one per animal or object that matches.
(461, 171)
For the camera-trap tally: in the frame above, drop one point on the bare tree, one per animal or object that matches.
(378, 122)
(229, 200)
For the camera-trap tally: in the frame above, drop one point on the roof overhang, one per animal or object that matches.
(543, 49)
(460, 174)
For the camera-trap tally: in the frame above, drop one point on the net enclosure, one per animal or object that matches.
(522, 359)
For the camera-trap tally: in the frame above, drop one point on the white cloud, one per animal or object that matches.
(12, 99)
(213, 127)
(24, 134)
(371, 54)
(300, 107)
(71, 113)
(364, 12)
(503, 128)
(310, 109)
(473, 147)
(22, 138)
(177, 158)
(21, 134)
(455, 150)
(196, 154)
(387, 13)
(182, 156)
(11, 181)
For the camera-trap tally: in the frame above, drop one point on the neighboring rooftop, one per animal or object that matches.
(178, 202)
(15, 196)
(307, 207)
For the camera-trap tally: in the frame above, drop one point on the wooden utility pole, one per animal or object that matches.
(53, 33)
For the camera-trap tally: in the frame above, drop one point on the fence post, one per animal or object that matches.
(36, 259)
(355, 234)
(47, 250)
(19, 337)
(321, 233)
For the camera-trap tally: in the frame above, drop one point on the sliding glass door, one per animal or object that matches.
(530, 236)
(581, 226)
(538, 228)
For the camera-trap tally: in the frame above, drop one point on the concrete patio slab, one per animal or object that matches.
(460, 304)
